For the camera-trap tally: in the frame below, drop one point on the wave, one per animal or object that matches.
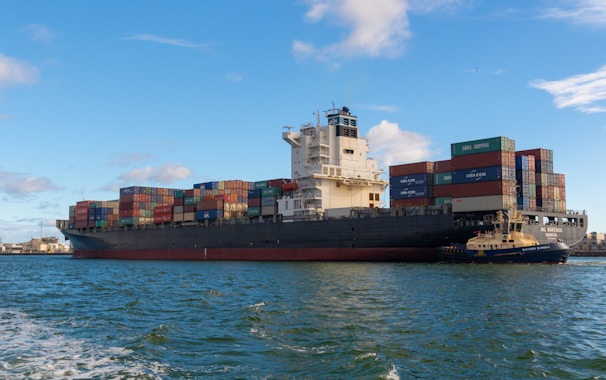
(30, 349)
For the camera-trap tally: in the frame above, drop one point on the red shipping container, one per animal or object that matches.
(189, 208)
(414, 168)
(179, 201)
(442, 166)
(84, 204)
(442, 190)
(193, 193)
(210, 204)
(254, 202)
(540, 154)
(163, 209)
(498, 158)
(477, 189)
(81, 224)
(164, 218)
(128, 212)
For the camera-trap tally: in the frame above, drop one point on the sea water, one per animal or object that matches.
(63, 318)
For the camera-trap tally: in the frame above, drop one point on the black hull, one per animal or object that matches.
(409, 238)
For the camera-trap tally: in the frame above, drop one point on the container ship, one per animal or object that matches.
(333, 207)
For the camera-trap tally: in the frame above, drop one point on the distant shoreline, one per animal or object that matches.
(589, 254)
(34, 254)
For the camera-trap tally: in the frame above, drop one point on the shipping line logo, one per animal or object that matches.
(475, 175)
(484, 145)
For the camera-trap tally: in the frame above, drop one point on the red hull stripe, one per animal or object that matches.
(263, 254)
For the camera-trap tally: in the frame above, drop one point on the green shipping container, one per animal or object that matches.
(254, 211)
(493, 144)
(443, 200)
(179, 193)
(260, 184)
(442, 178)
(271, 192)
(128, 221)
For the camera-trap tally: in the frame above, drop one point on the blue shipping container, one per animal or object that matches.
(411, 192)
(492, 173)
(209, 214)
(411, 180)
(522, 163)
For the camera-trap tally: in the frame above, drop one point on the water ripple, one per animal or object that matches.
(63, 318)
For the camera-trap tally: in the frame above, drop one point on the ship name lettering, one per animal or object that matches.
(554, 229)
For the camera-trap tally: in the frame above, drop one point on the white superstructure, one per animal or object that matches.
(331, 169)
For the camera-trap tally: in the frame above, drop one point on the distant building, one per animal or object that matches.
(592, 243)
(45, 245)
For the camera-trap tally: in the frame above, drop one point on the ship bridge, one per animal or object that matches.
(331, 166)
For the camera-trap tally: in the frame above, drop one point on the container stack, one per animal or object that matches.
(483, 174)
(222, 200)
(81, 215)
(191, 197)
(106, 213)
(254, 199)
(527, 186)
(163, 214)
(550, 186)
(269, 199)
(442, 177)
(411, 184)
(179, 204)
(137, 203)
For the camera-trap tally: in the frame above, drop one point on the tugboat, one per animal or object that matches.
(506, 243)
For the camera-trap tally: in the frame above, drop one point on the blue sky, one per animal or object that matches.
(98, 95)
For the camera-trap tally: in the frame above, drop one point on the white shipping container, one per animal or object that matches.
(268, 210)
(484, 203)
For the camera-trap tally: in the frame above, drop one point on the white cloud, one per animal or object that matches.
(39, 32)
(168, 41)
(380, 107)
(19, 184)
(583, 91)
(581, 11)
(377, 29)
(164, 174)
(234, 76)
(434, 5)
(393, 146)
(14, 72)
